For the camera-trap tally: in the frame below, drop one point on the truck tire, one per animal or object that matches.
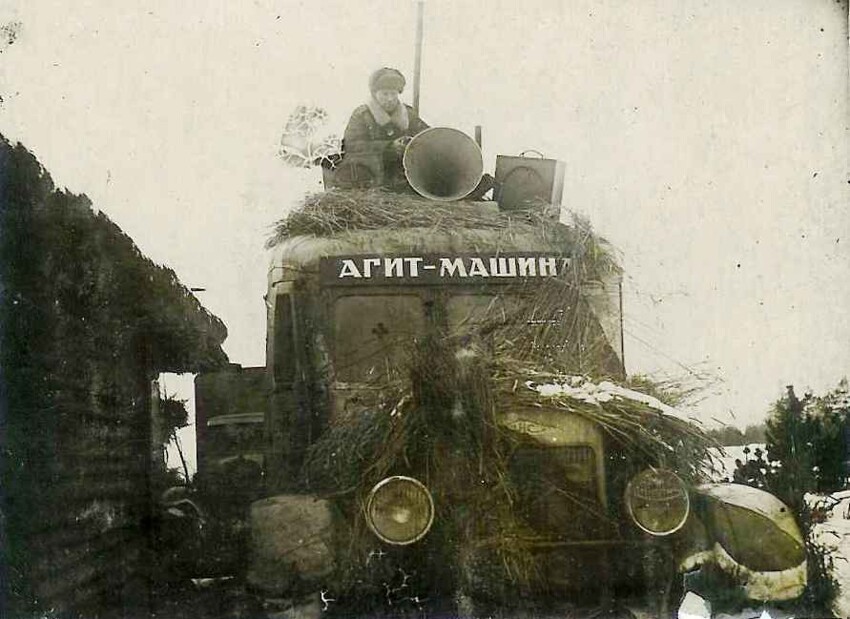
(291, 546)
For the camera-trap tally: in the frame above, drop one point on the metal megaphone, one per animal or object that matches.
(443, 164)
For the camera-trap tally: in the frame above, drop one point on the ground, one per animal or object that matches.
(227, 598)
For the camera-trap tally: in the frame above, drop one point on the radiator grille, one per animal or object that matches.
(558, 490)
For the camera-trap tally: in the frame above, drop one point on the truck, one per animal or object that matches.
(448, 425)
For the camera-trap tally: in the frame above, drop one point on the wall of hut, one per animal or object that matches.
(87, 323)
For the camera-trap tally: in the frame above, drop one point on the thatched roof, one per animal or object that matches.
(81, 265)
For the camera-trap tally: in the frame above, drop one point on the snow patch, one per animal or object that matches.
(579, 388)
(694, 607)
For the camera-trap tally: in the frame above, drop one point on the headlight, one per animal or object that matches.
(658, 501)
(399, 510)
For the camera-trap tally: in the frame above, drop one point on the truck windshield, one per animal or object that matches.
(469, 313)
(530, 325)
(373, 335)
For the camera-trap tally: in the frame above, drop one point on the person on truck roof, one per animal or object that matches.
(383, 124)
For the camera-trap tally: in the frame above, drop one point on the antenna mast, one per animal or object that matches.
(417, 63)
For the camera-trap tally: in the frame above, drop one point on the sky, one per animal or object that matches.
(707, 141)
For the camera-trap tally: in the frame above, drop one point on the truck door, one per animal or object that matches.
(282, 363)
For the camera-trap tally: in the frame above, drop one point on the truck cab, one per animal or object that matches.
(447, 421)
(369, 326)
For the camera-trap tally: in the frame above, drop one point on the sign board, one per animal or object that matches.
(441, 269)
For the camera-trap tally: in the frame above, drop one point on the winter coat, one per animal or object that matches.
(364, 134)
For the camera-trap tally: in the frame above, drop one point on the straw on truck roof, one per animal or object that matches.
(338, 213)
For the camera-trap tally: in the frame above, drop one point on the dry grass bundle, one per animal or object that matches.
(651, 431)
(440, 426)
(330, 212)
(337, 462)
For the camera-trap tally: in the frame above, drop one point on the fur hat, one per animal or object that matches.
(386, 79)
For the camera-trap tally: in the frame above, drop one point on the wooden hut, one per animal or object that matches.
(87, 323)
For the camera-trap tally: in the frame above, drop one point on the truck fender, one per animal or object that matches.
(753, 537)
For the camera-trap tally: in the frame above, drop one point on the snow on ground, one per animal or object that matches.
(834, 534)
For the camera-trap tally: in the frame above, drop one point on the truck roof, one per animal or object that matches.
(373, 221)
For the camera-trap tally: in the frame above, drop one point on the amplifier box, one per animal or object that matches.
(521, 180)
